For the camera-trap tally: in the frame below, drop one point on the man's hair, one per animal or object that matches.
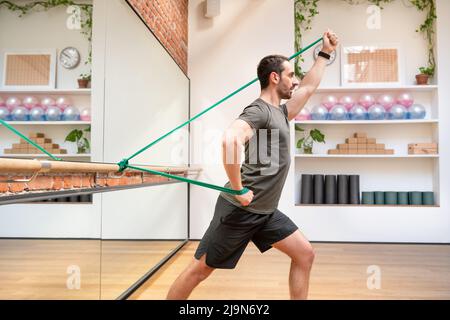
(269, 64)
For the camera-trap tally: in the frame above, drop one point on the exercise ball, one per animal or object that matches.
(302, 115)
(13, 102)
(358, 112)
(338, 112)
(417, 111)
(53, 113)
(19, 114)
(47, 102)
(366, 100)
(386, 100)
(4, 114)
(30, 102)
(347, 102)
(376, 112)
(329, 101)
(2, 102)
(71, 114)
(398, 112)
(62, 102)
(319, 112)
(405, 99)
(37, 114)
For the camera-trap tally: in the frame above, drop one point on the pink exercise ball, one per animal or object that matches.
(2, 102)
(62, 102)
(47, 102)
(85, 114)
(386, 100)
(30, 102)
(405, 99)
(347, 102)
(366, 100)
(329, 101)
(13, 102)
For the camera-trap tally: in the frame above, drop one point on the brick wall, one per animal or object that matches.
(168, 20)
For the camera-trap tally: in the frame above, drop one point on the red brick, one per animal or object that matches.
(58, 183)
(17, 187)
(77, 181)
(3, 186)
(68, 182)
(41, 183)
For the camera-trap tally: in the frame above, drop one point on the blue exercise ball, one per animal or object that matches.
(37, 114)
(19, 114)
(53, 114)
(338, 112)
(358, 112)
(319, 112)
(376, 112)
(5, 115)
(398, 112)
(417, 111)
(71, 114)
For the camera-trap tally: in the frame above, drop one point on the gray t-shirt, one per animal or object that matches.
(267, 156)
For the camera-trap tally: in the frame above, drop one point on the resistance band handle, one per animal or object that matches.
(242, 191)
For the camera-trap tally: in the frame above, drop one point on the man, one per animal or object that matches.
(254, 216)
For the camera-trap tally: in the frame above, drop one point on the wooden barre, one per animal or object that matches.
(45, 166)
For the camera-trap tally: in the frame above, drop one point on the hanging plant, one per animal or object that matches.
(86, 16)
(305, 10)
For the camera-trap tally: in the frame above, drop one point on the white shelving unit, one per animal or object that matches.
(397, 172)
(56, 130)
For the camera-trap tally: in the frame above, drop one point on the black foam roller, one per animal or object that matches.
(330, 189)
(319, 189)
(342, 182)
(353, 189)
(307, 192)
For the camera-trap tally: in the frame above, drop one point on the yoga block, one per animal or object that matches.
(428, 198)
(380, 146)
(353, 146)
(36, 135)
(360, 135)
(362, 140)
(389, 151)
(415, 198)
(368, 197)
(333, 151)
(379, 197)
(391, 197)
(351, 140)
(361, 146)
(371, 141)
(342, 146)
(402, 198)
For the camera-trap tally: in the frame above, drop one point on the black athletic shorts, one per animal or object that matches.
(232, 228)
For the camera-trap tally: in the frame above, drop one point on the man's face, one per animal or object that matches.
(287, 82)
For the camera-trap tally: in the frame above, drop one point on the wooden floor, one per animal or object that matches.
(37, 269)
(339, 272)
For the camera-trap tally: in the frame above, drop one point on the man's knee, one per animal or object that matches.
(305, 256)
(200, 270)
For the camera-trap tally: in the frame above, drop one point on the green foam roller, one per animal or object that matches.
(402, 198)
(379, 197)
(368, 197)
(390, 197)
(415, 198)
(428, 198)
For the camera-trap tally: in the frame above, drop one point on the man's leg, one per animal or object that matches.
(298, 248)
(195, 272)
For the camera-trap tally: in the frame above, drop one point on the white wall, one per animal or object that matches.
(223, 54)
(43, 30)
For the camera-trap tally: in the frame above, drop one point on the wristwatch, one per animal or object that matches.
(323, 54)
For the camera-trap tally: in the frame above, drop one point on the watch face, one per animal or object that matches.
(332, 55)
(69, 58)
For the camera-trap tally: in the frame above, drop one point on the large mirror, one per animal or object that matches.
(102, 245)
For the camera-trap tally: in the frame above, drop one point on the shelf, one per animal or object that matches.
(367, 156)
(347, 122)
(415, 88)
(367, 205)
(50, 91)
(26, 123)
(87, 155)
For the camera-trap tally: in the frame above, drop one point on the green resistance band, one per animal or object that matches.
(124, 163)
(198, 183)
(14, 130)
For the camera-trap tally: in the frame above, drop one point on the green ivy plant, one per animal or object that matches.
(305, 10)
(86, 16)
(306, 143)
(82, 142)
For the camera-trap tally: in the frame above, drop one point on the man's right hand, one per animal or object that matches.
(245, 198)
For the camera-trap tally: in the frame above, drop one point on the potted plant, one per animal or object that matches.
(82, 142)
(306, 143)
(425, 74)
(84, 81)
